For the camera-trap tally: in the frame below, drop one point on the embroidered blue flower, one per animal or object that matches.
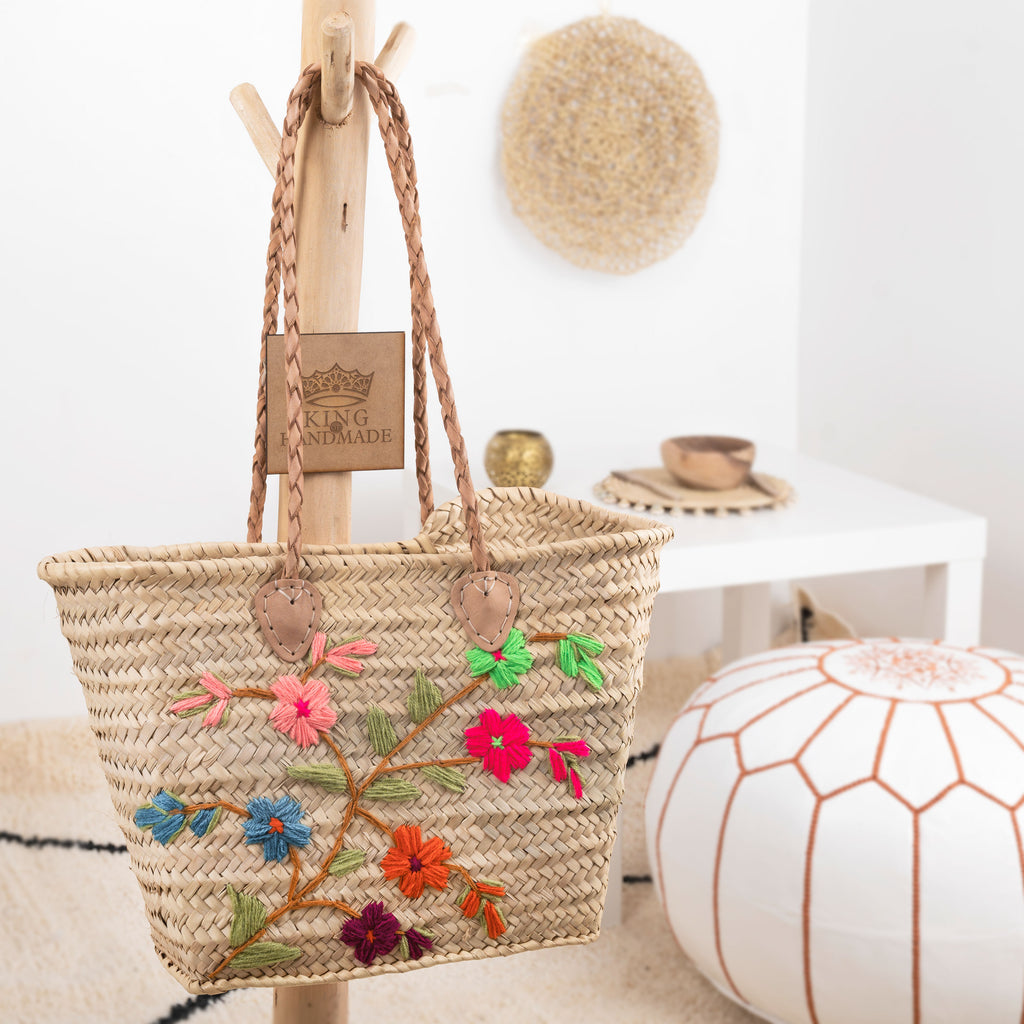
(276, 824)
(163, 816)
(205, 821)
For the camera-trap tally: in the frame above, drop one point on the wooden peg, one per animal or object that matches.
(258, 123)
(396, 51)
(338, 68)
(393, 57)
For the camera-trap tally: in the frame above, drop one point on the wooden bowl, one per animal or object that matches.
(709, 463)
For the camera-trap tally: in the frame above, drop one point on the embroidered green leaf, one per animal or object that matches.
(567, 738)
(567, 658)
(193, 693)
(381, 732)
(445, 775)
(403, 947)
(428, 932)
(590, 671)
(392, 790)
(265, 954)
(249, 915)
(590, 644)
(194, 711)
(425, 698)
(327, 776)
(346, 862)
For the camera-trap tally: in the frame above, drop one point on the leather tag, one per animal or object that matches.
(353, 403)
(288, 612)
(486, 604)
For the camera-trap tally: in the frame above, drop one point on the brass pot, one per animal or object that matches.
(518, 458)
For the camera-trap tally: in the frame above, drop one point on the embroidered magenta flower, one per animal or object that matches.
(216, 696)
(501, 743)
(564, 756)
(302, 710)
(415, 863)
(343, 657)
(373, 934)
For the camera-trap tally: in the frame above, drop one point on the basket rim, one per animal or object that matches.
(91, 565)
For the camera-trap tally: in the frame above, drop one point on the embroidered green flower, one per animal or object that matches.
(504, 666)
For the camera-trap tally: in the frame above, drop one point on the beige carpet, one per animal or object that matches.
(74, 945)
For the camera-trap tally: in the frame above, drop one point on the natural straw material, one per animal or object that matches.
(144, 624)
(610, 144)
(671, 497)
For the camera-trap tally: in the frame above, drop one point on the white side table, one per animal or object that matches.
(840, 523)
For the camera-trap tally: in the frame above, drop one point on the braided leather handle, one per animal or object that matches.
(281, 277)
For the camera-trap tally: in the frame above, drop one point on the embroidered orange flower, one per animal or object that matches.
(415, 863)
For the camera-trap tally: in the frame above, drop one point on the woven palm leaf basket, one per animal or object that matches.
(330, 762)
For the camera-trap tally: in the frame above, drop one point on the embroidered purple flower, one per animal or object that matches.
(504, 666)
(416, 944)
(501, 743)
(373, 934)
(163, 815)
(277, 825)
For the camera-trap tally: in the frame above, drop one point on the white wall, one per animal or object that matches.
(912, 339)
(134, 275)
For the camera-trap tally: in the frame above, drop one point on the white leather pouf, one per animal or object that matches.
(835, 830)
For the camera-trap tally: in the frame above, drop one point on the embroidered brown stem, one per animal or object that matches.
(541, 637)
(234, 808)
(350, 810)
(295, 895)
(374, 820)
(298, 904)
(450, 762)
(353, 807)
(253, 691)
(296, 868)
(429, 720)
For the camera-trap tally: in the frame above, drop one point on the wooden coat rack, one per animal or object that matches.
(330, 201)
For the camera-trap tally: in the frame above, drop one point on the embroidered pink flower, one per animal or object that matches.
(316, 650)
(569, 751)
(302, 710)
(217, 696)
(342, 657)
(500, 742)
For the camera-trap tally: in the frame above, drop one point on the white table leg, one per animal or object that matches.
(746, 620)
(952, 601)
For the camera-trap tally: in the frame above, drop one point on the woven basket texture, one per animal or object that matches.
(143, 624)
(610, 144)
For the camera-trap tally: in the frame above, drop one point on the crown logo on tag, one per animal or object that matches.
(336, 388)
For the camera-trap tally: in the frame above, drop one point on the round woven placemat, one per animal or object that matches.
(610, 143)
(666, 496)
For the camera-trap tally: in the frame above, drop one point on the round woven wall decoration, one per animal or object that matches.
(610, 144)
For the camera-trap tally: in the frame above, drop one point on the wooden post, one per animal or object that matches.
(330, 197)
(330, 203)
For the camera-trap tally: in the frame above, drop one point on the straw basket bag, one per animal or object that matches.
(320, 776)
